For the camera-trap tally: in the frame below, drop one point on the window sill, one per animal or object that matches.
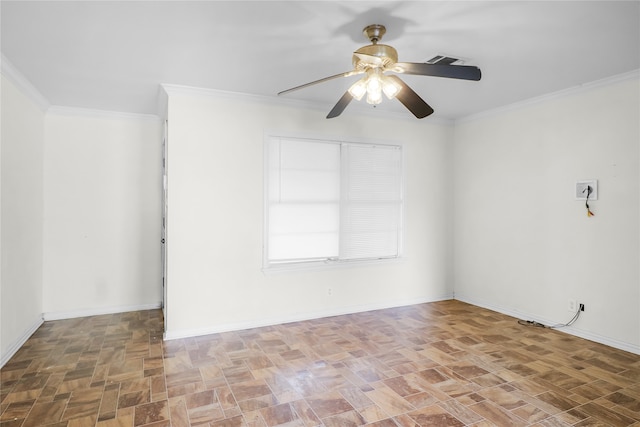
(327, 265)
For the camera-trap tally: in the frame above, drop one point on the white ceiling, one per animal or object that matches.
(113, 55)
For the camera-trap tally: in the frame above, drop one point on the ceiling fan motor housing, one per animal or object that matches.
(374, 55)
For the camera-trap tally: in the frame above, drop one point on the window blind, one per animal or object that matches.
(329, 200)
(371, 193)
(304, 200)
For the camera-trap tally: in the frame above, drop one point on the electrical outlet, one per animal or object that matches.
(572, 306)
(582, 189)
(329, 291)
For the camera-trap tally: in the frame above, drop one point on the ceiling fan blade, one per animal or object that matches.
(411, 100)
(464, 72)
(326, 79)
(340, 106)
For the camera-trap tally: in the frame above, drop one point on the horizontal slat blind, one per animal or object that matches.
(370, 220)
(304, 200)
(329, 200)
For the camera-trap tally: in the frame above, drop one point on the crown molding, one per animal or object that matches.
(178, 90)
(26, 87)
(99, 114)
(162, 103)
(631, 75)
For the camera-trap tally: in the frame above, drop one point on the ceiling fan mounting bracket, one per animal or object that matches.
(374, 32)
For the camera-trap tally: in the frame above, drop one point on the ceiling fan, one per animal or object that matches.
(375, 60)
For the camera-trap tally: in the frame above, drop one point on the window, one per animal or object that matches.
(331, 202)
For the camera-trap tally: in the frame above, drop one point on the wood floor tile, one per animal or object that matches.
(497, 415)
(16, 410)
(440, 364)
(460, 412)
(435, 416)
(45, 413)
(390, 402)
(345, 419)
(373, 414)
(279, 415)
(329, 404)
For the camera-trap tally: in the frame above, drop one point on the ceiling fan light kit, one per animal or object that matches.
(374, 84)
(374, 61)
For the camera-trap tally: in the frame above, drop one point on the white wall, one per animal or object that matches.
(22, 136)
(522, 244)
(215, 220)
(102, 198)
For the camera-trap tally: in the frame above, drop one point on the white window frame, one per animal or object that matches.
(331, 262)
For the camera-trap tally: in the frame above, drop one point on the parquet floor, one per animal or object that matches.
(439, 364)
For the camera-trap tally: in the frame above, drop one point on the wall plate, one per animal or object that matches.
(581, 189)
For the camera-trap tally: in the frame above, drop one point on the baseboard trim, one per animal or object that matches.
(571, 330)
(299, 317)
(60, 315)
(15, 346)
